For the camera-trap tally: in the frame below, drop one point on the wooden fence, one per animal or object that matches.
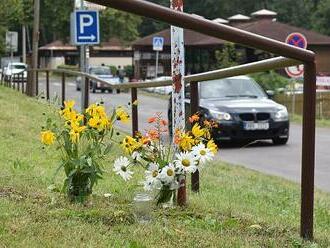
(294, 103)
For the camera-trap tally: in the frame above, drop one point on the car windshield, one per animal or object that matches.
(19, 67)
(100, 71)
(231, 88)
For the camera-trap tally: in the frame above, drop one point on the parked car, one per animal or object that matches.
(101, 72)
(13, 69)
(242, 109)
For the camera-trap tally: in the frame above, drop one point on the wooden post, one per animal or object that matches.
(178, 71)
(135, 118)
(37, 83)
(308, 152)
(194, 108)
(47, 85)
(63, 88)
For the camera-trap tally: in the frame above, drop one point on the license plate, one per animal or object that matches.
(256, 126)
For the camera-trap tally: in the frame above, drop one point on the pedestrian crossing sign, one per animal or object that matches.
(158, 43)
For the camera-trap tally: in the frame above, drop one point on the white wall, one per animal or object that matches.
(116, 61)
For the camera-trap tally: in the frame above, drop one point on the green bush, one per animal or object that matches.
(129, 71)
(113, 69)
(270, 80)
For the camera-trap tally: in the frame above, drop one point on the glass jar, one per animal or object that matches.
(143, 207)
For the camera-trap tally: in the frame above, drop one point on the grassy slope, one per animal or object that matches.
(232, 199)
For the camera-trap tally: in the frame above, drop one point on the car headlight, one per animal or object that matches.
(221, 116)
(281, 115)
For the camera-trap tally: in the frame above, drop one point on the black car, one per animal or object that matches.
(242, 109)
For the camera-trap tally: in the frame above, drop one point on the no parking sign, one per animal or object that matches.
(298, 40)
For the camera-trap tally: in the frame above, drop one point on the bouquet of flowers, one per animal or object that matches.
(84, 141)
(165, 163)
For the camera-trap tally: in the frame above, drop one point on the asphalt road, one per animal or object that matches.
(284, 161)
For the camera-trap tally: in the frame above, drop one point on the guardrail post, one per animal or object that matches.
(2, 78)
(27, 76)
(86, 95)
(47, 85)
(194, 108)
(308, 152)
(13, 81)
(135, 120)
(63, 88)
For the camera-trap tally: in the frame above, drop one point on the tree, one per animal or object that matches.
(228, 56)
(119, 24)
(321, 17)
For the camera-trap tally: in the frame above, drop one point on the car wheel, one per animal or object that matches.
(118, 91)
(103, 90)
(280, 141)
(78, 89)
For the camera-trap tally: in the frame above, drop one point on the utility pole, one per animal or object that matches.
(32, 88)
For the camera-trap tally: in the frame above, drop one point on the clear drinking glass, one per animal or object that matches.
(143, 207)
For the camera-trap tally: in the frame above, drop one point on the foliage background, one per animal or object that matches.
(55, 16)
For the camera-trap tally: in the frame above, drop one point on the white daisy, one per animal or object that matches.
(167, 174)
(121, 168)
(186, 162)
(136, 156)
(202, 154)
(152, 177)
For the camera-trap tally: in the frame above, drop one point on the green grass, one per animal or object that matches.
(319, 122)
(232, 199)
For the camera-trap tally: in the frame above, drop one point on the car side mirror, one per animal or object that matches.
(270, 93)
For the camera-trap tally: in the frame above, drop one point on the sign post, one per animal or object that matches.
(178, 71)
(12, 46)
(298, 40)
(158, 44)
(85, 30)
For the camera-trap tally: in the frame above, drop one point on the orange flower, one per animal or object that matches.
(207, 123)
(153, 134)
(163, 122)
(152, 119)
(194, 118)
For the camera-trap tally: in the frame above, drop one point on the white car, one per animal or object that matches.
(103, 73)
(13, 69)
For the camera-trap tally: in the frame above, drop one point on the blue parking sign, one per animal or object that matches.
(85, 27)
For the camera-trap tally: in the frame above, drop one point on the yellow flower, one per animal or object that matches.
(76, 128)
(129, 145)
(135, 103)
(186, 142)
(91, 109)
(197, 131)
(47, 137)
(74, 136)
(94, 122)
(122, 115)
(69, 104)
(212, 146)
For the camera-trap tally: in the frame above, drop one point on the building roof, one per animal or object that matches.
(220, 20)
(265, 27)
(239, 17)
(58, 45)
(191, 38)
(114, 44)
(264, 12)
